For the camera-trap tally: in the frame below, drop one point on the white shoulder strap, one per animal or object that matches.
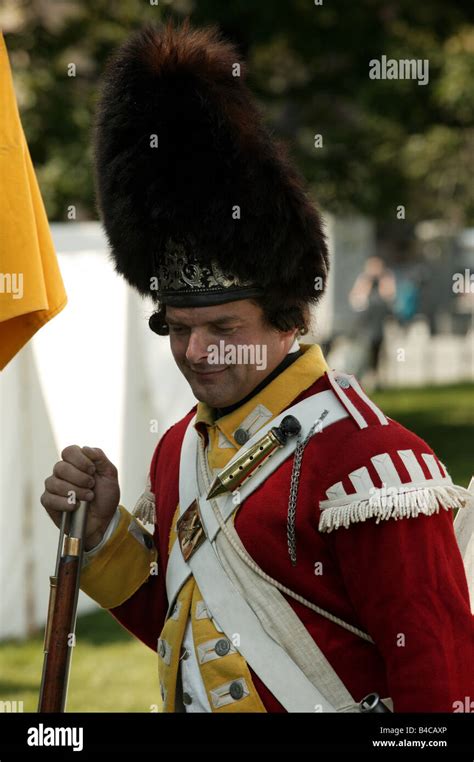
(266, 657)
(277, 618)
(307, 412)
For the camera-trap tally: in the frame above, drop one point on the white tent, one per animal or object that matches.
(94, 375)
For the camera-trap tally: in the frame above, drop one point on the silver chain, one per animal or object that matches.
(294, 484)
(205, 474)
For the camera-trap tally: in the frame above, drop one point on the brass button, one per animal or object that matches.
(236, 690)
(222, 647)
(187, 699)
(241, 436)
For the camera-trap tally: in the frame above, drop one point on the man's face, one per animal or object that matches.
(226, 350)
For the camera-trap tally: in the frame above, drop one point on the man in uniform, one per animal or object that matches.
(323, 565)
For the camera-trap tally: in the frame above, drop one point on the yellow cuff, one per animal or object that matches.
(125, 562)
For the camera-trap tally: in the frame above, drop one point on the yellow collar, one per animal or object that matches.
(271, 400)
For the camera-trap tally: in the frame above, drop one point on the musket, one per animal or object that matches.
(59, 637)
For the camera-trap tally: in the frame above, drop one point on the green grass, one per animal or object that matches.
(111, 671)
(443, 417)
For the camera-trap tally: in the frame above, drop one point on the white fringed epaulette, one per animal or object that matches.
(395, 499)
(145, 507)
(392, 503)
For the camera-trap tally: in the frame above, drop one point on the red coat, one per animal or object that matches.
(402, 581)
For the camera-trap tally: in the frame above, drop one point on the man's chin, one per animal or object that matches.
(209, 387)
(209, 396)
(213, 400)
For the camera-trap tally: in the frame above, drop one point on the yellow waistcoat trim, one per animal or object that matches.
(172, 634)
(222, 670)
(216, 672)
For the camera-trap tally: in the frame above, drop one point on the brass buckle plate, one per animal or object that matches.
(190, 530)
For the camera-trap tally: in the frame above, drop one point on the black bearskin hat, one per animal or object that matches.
(200, 204)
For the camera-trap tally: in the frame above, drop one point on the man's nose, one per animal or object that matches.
(196, 351)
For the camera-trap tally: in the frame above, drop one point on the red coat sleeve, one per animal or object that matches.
(406, 580)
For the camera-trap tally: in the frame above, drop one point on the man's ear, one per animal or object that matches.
(290, 336)
(157, 322)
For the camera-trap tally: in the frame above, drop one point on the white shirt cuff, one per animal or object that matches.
(114, 522)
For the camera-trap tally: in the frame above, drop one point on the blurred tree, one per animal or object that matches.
(385, 142)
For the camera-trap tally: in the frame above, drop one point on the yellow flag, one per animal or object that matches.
(31, 287)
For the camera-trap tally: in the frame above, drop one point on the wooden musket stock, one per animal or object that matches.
(61, 622)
